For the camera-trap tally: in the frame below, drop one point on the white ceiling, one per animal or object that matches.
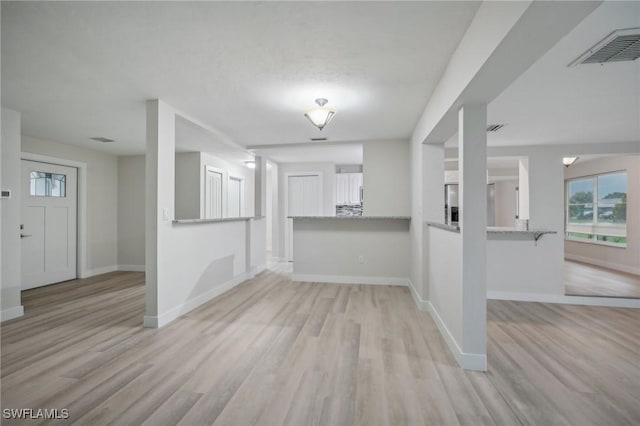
(554, 104)
(248, 69)
(346, 153)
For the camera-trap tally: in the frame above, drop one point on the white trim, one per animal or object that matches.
(422, 304)
(191, 304)
(603, 263)
(350, 279)
(81, 266)
(475, 362)
(11, 313)
(254, 270)
(99, 271)
(614, 302)
(131, 268)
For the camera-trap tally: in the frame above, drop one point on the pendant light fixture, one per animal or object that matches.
(320, 116)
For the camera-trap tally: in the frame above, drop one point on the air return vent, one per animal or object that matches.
(318, 139)
(101, 139)
(620, 45)
(495, 127)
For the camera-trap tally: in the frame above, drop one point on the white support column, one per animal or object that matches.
(261, 186)
(159, 198)
(523, 188)
(472, 145)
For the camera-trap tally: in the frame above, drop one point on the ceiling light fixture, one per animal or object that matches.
(567, 161)
(320, 116)
(250, 164)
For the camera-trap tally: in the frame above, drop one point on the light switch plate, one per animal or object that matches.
(165, 214)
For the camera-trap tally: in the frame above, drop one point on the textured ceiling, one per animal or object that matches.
(248, 69)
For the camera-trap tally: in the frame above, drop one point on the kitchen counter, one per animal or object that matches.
(500, 232)
(222, 219)
(351, 217)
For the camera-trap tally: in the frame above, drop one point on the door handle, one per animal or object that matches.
(24, 236)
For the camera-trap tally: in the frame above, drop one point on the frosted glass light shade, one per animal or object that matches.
(320, 116)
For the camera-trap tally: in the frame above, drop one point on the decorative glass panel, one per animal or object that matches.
(48, 185)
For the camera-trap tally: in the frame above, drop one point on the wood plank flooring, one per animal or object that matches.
(581, 279)
(272, 351)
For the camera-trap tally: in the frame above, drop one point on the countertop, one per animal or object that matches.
(536, 234)
(223, 219)
(351, 217)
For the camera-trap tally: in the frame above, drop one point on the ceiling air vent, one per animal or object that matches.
(102, 139)
(318, 139)
(495, 127)
(620, 45)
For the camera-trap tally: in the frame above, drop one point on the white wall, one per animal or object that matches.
(522, 267)
(505, 202)
(131, 212)
(10, 303)
(445, 281)
(102, 199)
(328, 171)
(330, 250)
(188, 186)
(623, 259)
(386, 169)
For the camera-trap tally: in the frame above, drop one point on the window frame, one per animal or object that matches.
(594, 228)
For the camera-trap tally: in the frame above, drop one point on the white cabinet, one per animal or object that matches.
(348, 188)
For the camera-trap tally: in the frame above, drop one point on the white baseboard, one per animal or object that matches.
(614, 302)
(131, 268)
(422, 304)
(603, 263)
(349, 279)
(475, 362)
(255, 270)
(191, 304)
(11, 313)
(98, 271)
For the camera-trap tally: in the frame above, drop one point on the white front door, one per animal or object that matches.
(235, 197)
(304, 198)
(213, 194)
(48, 223)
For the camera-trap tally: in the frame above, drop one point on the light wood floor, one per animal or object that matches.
(581, 279)
(273, 352)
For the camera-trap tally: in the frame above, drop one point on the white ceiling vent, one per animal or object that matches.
(620, 45)
(101, 139)
(495, 127)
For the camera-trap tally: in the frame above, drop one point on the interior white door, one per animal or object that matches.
(342, 188)
(304, 198)
(48, 223)
(213, 194)
(355, 183)
(235, 197)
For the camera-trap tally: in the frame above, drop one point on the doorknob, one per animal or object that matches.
(24, 236)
